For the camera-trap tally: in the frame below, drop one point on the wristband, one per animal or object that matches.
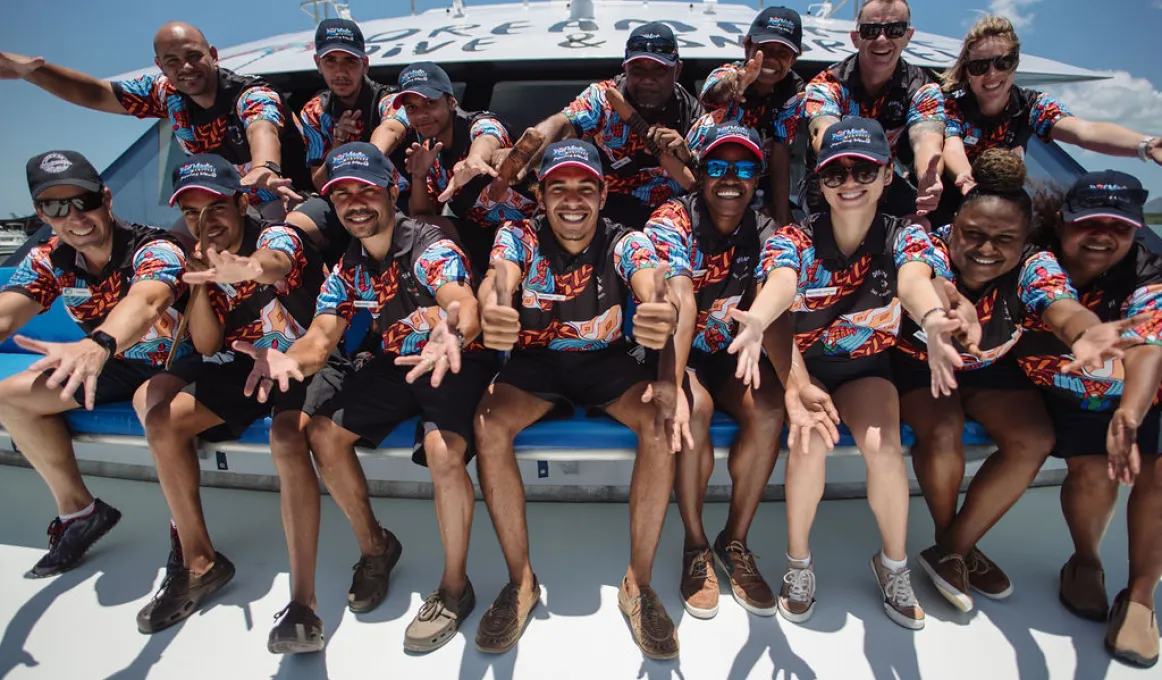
(1142, 148)
(106, 341)
(929, 313)
(1078, 337)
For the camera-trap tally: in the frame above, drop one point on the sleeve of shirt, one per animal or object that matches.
(1043, 281)
(824, 96)
(1146, 300)
(696, 138)
(953, 121)
(317, 136)
(913, 244)
(487, 125)
(396, 114)
(587, 111)
(284, 239)
(260, 103)
(927, 105)
(144, 96)
(633, 253)
(786, 120)
(669, 231)
(714, 78)
(442, 262)
(784, 248)
(34, 277)
(1044, 115)
(385, 110)
(509, 245)
(335, 296)
(159, 261)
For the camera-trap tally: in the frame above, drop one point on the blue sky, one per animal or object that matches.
(1121, 37)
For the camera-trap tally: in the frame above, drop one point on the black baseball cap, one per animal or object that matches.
(732, 133)
(778, 24)
(359, 161)
(1108, 193)
(655, 41)
(570, 153)
(423, 78)
(208, 172)
(339, 34)
(61, 168)
(855, 138)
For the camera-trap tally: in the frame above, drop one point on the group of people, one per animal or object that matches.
(634, 253)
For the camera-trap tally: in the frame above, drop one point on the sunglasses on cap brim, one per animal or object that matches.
(892, 29)
(60, 207)
(1002, 63)
(835, 174)
(650, 46)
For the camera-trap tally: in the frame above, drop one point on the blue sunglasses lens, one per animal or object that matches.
(743, 169)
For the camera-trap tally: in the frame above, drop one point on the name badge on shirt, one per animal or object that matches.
(821, 292)
(921, 336)
(226, 288)
(971, 139)
(80, 293)
(621, 162)
(701, 272)
(551, 297)
(365, 304)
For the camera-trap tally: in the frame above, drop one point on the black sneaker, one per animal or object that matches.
(176, 561)
(68, 541)
(369, 584)
(299, 632)
(180, 594)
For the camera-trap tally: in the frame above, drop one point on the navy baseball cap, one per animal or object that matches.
(732, 133)
(652, 41)
(1108, 193)
(339, 35)
(359, 161)
(425, 79)
(855, 138)
(61, 168)
(570, 153)
(778, 24)
(208, 172)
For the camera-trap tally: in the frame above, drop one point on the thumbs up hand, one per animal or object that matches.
(654, 322)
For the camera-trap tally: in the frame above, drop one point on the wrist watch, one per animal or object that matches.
(105, 340)
(1143, 146)
(273, 167)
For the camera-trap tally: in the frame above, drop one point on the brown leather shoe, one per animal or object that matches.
(699, 584)
(1083, 590)
(949, 574)
(502, 625)
(986, 578)
(747, 585)
(1132, 633)
(652, 628)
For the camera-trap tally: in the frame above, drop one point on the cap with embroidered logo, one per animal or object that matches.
(339, 35)
(855, 138)
(425, 79)
(732, 133)
(654, 41)
(207, 172)
(570, 153)
(778, 24)
(61, 168)
(358, 161)
(1106, 194)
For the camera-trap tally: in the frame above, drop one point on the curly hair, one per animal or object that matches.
(989, 26)
(1000, 173)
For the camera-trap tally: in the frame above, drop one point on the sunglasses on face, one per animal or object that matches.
(60, 207)
(1003, 63)
(742, 169)
(651, 46)
(834, 175)
(892, 29)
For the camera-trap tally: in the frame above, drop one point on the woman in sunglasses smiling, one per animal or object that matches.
(845, 274)
(985, 110)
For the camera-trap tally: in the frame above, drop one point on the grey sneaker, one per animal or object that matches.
(298, 631)
(438, 620)
(899, 601)
(797, 594)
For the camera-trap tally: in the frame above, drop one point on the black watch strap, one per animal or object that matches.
(273, 167)
(105, 340)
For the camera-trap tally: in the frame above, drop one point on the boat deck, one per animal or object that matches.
(81, 624)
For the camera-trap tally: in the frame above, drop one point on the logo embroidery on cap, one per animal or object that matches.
(55, 163)
(570, 152)
(851, 136)
(781, 24)
(349, 158)
(415, 75)
(197, 170)
(339, 33)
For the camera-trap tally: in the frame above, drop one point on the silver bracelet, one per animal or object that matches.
(1142, 146)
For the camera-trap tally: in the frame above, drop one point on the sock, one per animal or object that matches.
(799, 563)
(892, 565)
(83, 512)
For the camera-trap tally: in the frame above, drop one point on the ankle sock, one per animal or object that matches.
(83, 512)
(799, 563)
(892, 565)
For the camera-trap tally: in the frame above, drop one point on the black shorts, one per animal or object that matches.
(835, 372)
(714, 371)
(910, 374)
(120, 378)
(322, 213)
(375, 399)
(219, 387)
(1083, 433)
(590, 380)
(627, 210)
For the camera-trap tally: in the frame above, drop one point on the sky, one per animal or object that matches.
(1117, 36)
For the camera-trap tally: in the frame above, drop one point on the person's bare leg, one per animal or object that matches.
(334, 449)
(805, 479)
(1144, 522)
(454, 500)
(30, 411)
(1087, 502)
(871, 409)
(298, 495)
(759, 414)
(695, 465)
(938, 454)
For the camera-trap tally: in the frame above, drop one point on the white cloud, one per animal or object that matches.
(1014, 10)
(1121, 98)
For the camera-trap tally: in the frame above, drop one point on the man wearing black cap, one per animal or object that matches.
(416, 282)
(633, 176)
(259, 288)
(765, 94)
(212, 109)
(877, 83)
(119, 282)
(571, 271)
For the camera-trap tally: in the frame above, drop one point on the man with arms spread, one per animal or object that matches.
(259, 288)
(212, 109)
(118, 282)
(416, 282)
(570, 271)
(635, 180)
(765, 94)
(876, 83)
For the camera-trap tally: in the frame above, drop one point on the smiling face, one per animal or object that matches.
(777, 61)
(224, 221)
(87, 230)
(728, 196)
(363, 209)
(572, 199)
(879, 56)
(852, 196)
(184, 56)
(650, 83)
(342, 72)
(430, 117)
(1092, 247)
(991, 89)
(988, 235)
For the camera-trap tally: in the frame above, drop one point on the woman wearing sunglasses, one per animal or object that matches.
(985, 110)
(845, 274)
(1006, 281)
(1107, 421)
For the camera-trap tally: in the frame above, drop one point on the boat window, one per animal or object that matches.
(524, 103)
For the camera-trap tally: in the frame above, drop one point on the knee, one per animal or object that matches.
(1089, 476)
(445, 455)
(940, 438)
(882, 449)
(288, 436)
(1031, 441)
(491, 432)
(321, 434)
(701, 412)
(14, 392)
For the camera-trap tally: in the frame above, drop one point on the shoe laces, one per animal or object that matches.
(801, 583)
(898, 586)
(283, 611)
(699, 565)
(56, 529)
(432, 607)
(975, 564)
(742, 559)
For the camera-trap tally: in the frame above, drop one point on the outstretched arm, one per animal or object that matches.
(65, 83)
